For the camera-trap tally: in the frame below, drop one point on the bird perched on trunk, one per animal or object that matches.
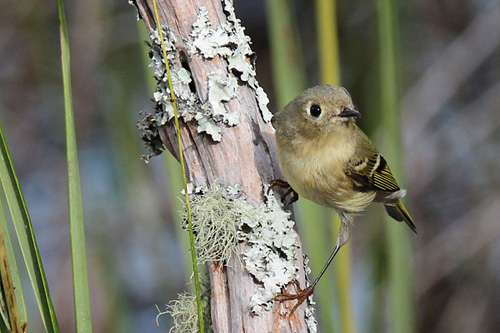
(326, 158)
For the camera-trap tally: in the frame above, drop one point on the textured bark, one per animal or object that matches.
(246, 155)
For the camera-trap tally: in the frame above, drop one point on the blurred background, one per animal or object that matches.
(449, 102)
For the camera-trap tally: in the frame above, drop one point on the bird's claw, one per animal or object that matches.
(283, 184)
(300, 296)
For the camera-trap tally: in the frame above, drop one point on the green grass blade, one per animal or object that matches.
(4, 321)
(172, 166)
(26, 237)
(288, 68)
(83, 317)
(194, 260)
(329, 60)
(11, 283)
(316, 232)
(289, 80)
(328, 44)
(399, 249)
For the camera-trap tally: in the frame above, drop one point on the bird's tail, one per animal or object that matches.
(398, 212)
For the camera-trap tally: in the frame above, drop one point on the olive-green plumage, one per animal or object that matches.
(327, 158)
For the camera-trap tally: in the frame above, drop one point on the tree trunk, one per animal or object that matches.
(245, 154)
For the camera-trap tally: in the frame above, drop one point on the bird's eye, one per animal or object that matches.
(315, 111)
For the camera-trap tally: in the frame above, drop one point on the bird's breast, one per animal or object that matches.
(316, 172)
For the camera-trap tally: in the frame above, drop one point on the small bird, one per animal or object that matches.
(326, 158)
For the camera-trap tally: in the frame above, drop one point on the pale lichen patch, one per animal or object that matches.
(222, 90)
(150, 135)
(244, 54)
(134, 3)
(222, 218)
(207, 41)
(187, 101)
(311, 322)
(271, 255)
(189, 105)
(229, 42)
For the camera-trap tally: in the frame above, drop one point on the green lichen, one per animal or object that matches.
(215, 217)
(184, 312)
(222, 218)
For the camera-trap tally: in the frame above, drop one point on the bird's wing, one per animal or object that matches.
(372, 173)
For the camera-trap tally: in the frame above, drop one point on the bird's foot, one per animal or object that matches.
(283, 184)
(300, 296)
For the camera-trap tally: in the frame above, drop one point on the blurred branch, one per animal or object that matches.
(443, 77)
(400, 278)
(288, 68)
(446, 252)
(483, 113)
(329, 61)
(472, 301)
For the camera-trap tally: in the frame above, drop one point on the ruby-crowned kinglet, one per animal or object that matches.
(326, 158)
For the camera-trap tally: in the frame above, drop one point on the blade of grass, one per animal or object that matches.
(316, 232)
(4, 322)
(172, 166)
(11, 284)
(83, 319)
(330, 74)
(201, 324)
(26, 237)
(326, 18)
(289, 80)
(400, 269)
(288, 68)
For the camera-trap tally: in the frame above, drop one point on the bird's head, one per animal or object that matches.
(318, 109)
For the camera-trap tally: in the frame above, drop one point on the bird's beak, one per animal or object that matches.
(349, 113)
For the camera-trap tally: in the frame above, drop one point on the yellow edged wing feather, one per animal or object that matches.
(374, 174)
